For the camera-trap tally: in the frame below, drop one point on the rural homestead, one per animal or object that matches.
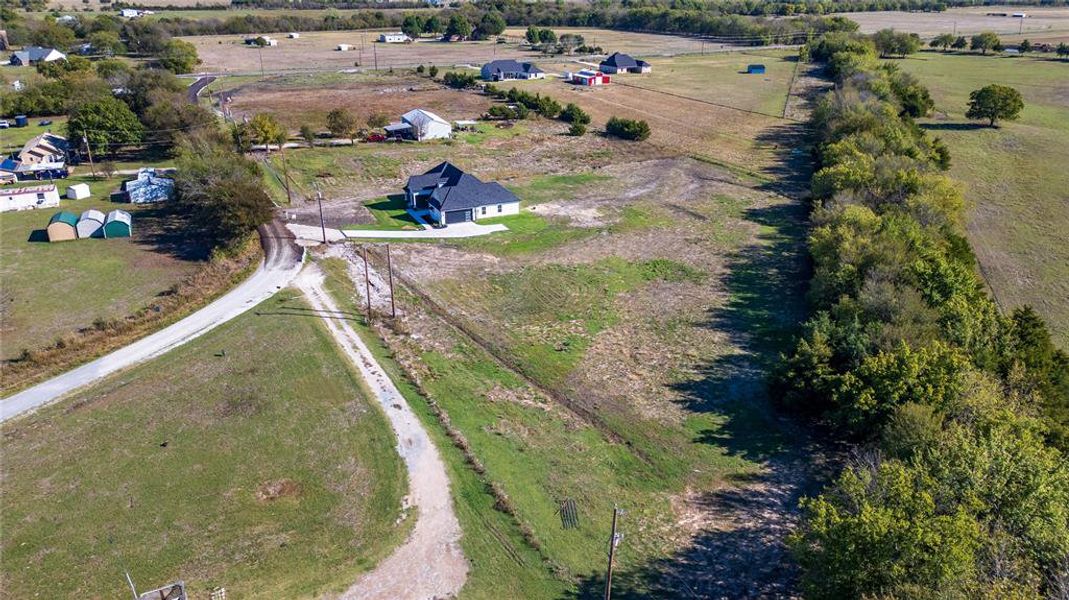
(448, 195)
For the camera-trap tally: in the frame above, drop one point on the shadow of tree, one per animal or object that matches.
(952, 126)
(162, 228)
(741, 551)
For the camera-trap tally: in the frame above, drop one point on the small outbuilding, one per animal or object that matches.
(148, 187)
(118, 224)
(419, 125)
(62, 227)
(90, 224)
(394, 38)
(293, 35)
(344, 47)
(26, 198)
(78, 191)
(755, 69)
(587, 77)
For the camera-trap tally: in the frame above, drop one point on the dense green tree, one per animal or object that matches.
(893, 43)
(343, 124)
(459, 27)
(179, 56)
(573, 114)
(985, 41)
(995, 103)
(308, 134)
(490, 25)
(107, 123)
(944, 41)
(112, 69)
(627, 129)
(576, 129)
(221, 192)
(413, 26)
(960, 44)
(144, 86)
(1025, 46)
(59, 68)
(1062, 50)
(433, 25)
(107, 43)
(172, 117)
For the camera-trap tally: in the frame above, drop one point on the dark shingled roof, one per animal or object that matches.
(507, 65)
(456, 190)
(623, 61)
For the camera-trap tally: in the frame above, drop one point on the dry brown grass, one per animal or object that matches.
(964, 21)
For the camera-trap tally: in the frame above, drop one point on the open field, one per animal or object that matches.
(248, 458)
(317, 50)
(965, 21)
(55, 289)
(1015, 176)
(610, 347)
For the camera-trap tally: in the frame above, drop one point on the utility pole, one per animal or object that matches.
(260, 49)
(367, 285)
(89, 151)
(613, 540)
(375, 52)
(322, 223)
(389, 269)
(285, 171)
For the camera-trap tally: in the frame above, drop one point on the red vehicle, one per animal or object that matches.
(376, 137)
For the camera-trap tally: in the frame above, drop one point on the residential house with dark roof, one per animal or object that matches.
(619, 62)
(500, 70)
(449, 195)
(32, 55)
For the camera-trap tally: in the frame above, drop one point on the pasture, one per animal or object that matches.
(51, 290)
(317, 51)
(1015, 177)
(248, 458)
(966, 21)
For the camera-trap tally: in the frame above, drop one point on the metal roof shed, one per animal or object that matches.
(61, 227)
(118, 223)
(91, 224)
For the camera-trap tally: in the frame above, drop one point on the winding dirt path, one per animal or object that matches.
(430, 564)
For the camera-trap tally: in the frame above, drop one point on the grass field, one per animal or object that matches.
(55, 289)
(965, 21)
(248, 458)
(1015, 176)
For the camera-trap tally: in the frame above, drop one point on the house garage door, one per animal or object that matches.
(457, 216)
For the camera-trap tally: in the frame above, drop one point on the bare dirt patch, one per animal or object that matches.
(270, 491)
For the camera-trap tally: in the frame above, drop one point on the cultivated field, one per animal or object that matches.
(966, 21)
(1015, 176)
(248, 459)
(52, 290)
(317, 50)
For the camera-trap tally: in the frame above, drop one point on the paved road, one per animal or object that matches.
(194, 89)
(430, 564)
(281, 263)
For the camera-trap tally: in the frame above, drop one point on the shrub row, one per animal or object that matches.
(961, 487)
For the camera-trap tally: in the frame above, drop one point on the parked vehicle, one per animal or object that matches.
(4, 124)
(45, 122)
(376, 137)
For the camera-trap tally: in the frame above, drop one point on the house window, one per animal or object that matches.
(483, 210)
(498, 208)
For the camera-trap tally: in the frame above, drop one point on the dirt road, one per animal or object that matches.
(430, 564)
(281, 263)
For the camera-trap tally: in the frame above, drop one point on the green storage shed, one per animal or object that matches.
(118, 224)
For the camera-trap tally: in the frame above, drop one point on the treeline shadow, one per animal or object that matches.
(166, 231)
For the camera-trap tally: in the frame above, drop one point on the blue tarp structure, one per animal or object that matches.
(148, 187)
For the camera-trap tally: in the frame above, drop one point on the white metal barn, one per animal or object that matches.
(90, 224)
(344, 47)
(394, 38)
(427, 125)
(294, 35)
(26, 198)
(78, 191)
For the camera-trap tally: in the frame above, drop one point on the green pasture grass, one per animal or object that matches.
(55, 289)
(1014, 175)
(166, 470)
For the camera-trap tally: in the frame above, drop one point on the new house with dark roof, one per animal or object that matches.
(32, 55)
(619, 62)
(500, 70)
(449, 195)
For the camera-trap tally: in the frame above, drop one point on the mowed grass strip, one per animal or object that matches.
(502, 564)
(54, 289)
(1015, 176)
(249, 458)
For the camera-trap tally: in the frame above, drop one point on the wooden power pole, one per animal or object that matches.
(613, 540)
(367, 285)
(89, 151)
(322, 223)
(389, 270)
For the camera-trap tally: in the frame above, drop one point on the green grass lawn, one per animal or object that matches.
(389, 213)
(721, 78)
(1015, 176)
(54, 289)
(12, 138)
(249, 458)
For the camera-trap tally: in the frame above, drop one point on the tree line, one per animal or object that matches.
(959, 487)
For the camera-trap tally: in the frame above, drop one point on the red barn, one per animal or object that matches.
(588, 77)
